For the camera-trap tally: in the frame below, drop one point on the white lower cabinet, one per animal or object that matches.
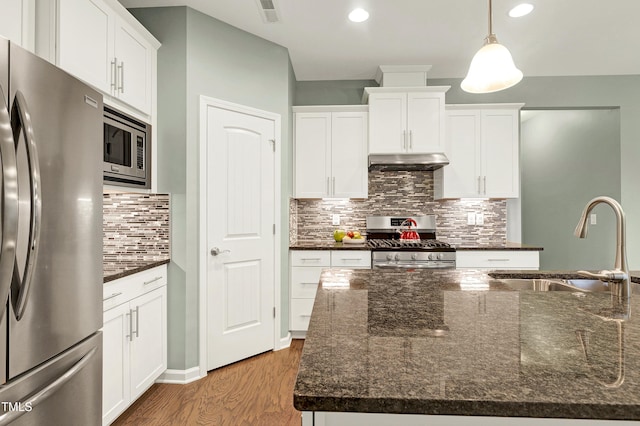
(497, 259)
(134, 338)
(306, 267)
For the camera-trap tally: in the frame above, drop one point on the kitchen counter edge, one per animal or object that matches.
(129, 269)
(331, 245)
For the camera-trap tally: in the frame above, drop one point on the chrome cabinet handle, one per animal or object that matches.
(36, 398)
(9, 212)
(114, 76)
(216, 251)
(484, 179)
(410, 139)
(497, 260)
(137, 311)
(111, 297)
(328, 186)
(479, 183)
(21, 120)
(152, 281)
(121, 77)
(130, 316)
(404, 140)
(333, 191)
(355, 258)
(315, 259)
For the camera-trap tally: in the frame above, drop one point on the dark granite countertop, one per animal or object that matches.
(454, 342)
(326, 245)
(332, 245)
(121, 269)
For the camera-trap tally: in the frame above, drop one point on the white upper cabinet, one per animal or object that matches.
(349, 171)
(406, 121)
(85, 41)
(133, 67)
(482, 146)
(17, 22)
(331, 152)
(99, 42)
(312, 154)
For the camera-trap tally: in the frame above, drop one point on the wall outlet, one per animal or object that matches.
(593, 219)
(471, 218)
(335, 219)
(479, 218)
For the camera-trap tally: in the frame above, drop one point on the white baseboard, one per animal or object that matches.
(181, 377)
(285, 342)
(298, 334)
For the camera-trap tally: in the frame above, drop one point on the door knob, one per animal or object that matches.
(216, 251)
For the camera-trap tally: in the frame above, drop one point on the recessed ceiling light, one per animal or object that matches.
(521, 10)
(358, 15)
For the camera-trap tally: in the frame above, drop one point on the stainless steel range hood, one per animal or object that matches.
(407, 162)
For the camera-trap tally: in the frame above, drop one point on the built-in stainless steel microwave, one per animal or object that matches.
(127, 151)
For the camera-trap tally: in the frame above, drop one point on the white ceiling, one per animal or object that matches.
(560, 37)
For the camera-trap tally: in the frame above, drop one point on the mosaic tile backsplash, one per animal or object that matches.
(135, 227)
(397, 193)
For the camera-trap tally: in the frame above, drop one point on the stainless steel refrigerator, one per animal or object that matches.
(50, 244)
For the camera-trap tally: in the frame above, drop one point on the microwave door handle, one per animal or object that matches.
(10, 211)
(21, 120)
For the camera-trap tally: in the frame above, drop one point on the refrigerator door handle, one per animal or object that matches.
(21, 121)
(9, 213)
(37, 397)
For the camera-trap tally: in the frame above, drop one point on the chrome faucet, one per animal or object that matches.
(619, 276)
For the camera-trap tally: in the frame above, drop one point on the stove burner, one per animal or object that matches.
(411, 244)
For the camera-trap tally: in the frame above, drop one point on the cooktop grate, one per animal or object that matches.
(407, 244)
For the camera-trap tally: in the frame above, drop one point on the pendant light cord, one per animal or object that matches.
(490, 18)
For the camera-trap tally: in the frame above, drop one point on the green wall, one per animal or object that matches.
(204, 56)
(569, 157)
(335, 92)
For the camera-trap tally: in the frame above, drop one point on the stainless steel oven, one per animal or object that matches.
(126, 150)
(395, 244)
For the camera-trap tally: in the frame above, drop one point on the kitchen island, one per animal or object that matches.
(447, 346)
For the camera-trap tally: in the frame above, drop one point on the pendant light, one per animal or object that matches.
(492, 68)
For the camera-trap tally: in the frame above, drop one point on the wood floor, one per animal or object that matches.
(256, 391)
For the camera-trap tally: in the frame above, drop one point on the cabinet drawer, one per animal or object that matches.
(497, 259)
(311, 258)
(304, 281)
(301, 313)
(356, 259)
(124, 289)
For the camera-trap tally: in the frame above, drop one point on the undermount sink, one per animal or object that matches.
(583, 285)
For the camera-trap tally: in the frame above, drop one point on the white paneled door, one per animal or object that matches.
(240, 235)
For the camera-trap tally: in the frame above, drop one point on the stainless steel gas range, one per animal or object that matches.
(407, 242)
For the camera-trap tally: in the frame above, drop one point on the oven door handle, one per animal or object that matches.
(431, 265)
(387, 266)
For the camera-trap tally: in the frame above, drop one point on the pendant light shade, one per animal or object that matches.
(492, 68)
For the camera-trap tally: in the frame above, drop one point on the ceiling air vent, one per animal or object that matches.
(267, 10)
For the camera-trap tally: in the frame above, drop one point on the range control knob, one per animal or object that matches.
(389, 257)
(440, 255)
(414, 256)
(432, 256)
(397, 257)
